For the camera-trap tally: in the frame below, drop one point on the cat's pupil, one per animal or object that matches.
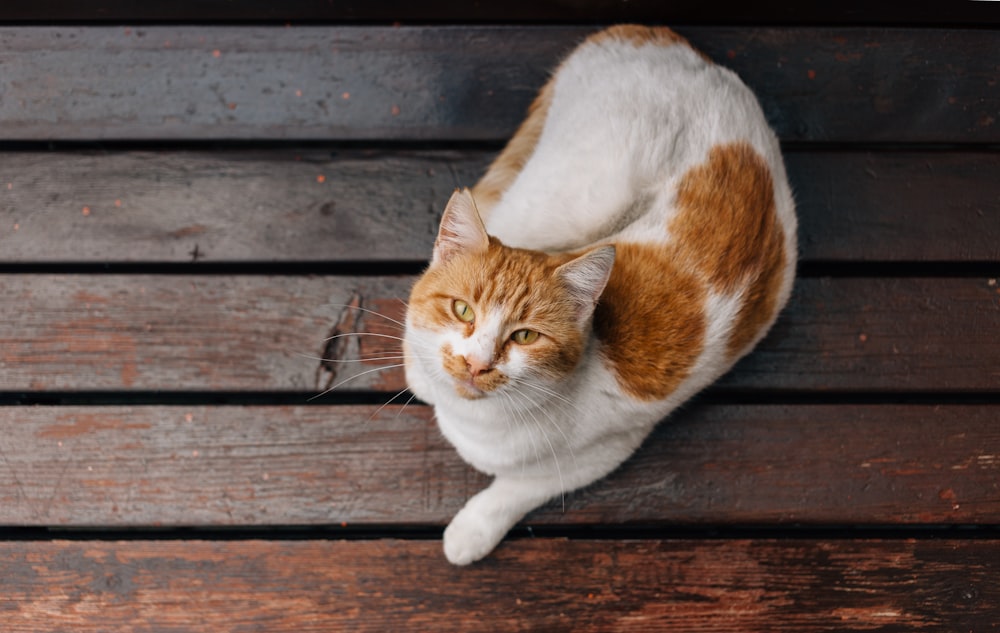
(463, 311)
(524, 337)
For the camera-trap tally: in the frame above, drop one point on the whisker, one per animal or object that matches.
(344, 305)
(516, 414)
(349, 360)
(552, 449)
(346, 380)
(405, 404)
(555, 423)
(508, 414)
(395, 338)
(387, 402)
(554, 394)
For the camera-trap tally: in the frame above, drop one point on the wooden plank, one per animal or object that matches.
(295, 205)
(880, 335)
(250, 333)
(358, 465)
(897, 207)
(310, 204)
(937, 12)
(186, 332)
(539, 584)
(464, 83)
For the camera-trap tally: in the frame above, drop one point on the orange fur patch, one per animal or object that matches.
(639, 35)
(728, 228)
(651, 320)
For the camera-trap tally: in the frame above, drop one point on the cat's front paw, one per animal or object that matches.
(469, 538)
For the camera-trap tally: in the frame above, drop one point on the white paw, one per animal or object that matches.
(468, 538)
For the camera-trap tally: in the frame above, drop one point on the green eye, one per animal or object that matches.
(463, 311)
(524, 337)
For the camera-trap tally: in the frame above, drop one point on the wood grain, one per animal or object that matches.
(527, 585)
(464, 83)
(252, 333)
(829, 465)
(309, 204)
(188, 332)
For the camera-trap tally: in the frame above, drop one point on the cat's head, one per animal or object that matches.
(486, 317)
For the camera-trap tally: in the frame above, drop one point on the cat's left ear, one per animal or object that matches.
(586, 276)
(461, 230)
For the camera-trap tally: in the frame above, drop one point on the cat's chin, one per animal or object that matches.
(469, 391)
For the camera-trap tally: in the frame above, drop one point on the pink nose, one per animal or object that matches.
(476, 366)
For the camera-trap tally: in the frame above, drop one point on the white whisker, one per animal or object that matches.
(552, 449)
(344, 305)
(346, 380)
(554, 394)
(555, 423)
(516, 414)
(335, 336)
(405, 404)
(366, 359)
(508, 414)
(387, 402)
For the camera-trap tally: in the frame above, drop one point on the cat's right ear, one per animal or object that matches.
(461, 231)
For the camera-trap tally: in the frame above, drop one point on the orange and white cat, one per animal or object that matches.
(634, 239)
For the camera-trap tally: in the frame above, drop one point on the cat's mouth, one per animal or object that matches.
(467, 389)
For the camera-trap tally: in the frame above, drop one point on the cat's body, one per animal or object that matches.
(647, 183)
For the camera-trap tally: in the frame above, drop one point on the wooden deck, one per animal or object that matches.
(188, 205)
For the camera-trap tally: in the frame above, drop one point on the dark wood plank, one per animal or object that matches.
(886, 206)
(295, 205)
(358, 465)
(311, 204)
(184, 333)
(881, 334)
(529, 585)
(937, 12)
(465, 83)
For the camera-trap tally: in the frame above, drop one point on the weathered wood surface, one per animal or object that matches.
(465, 83)
(310, 204)
(252, 333)
(588, 11)
(361, 465)
(528, 585)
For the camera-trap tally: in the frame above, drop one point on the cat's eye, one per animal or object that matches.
(524, 337)
(463, 311)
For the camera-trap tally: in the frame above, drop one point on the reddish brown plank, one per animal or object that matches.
(182, 333)
(528, 585)
(706, 465)
(310, 204)
(465, 83)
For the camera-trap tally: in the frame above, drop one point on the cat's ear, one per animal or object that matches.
(462, 230)
(586, 276)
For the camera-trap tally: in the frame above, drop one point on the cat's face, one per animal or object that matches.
(489, 319)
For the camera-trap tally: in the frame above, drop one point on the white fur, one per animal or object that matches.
(624, 126)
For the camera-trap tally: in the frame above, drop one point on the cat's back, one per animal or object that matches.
(642, 142)
(623, 118)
